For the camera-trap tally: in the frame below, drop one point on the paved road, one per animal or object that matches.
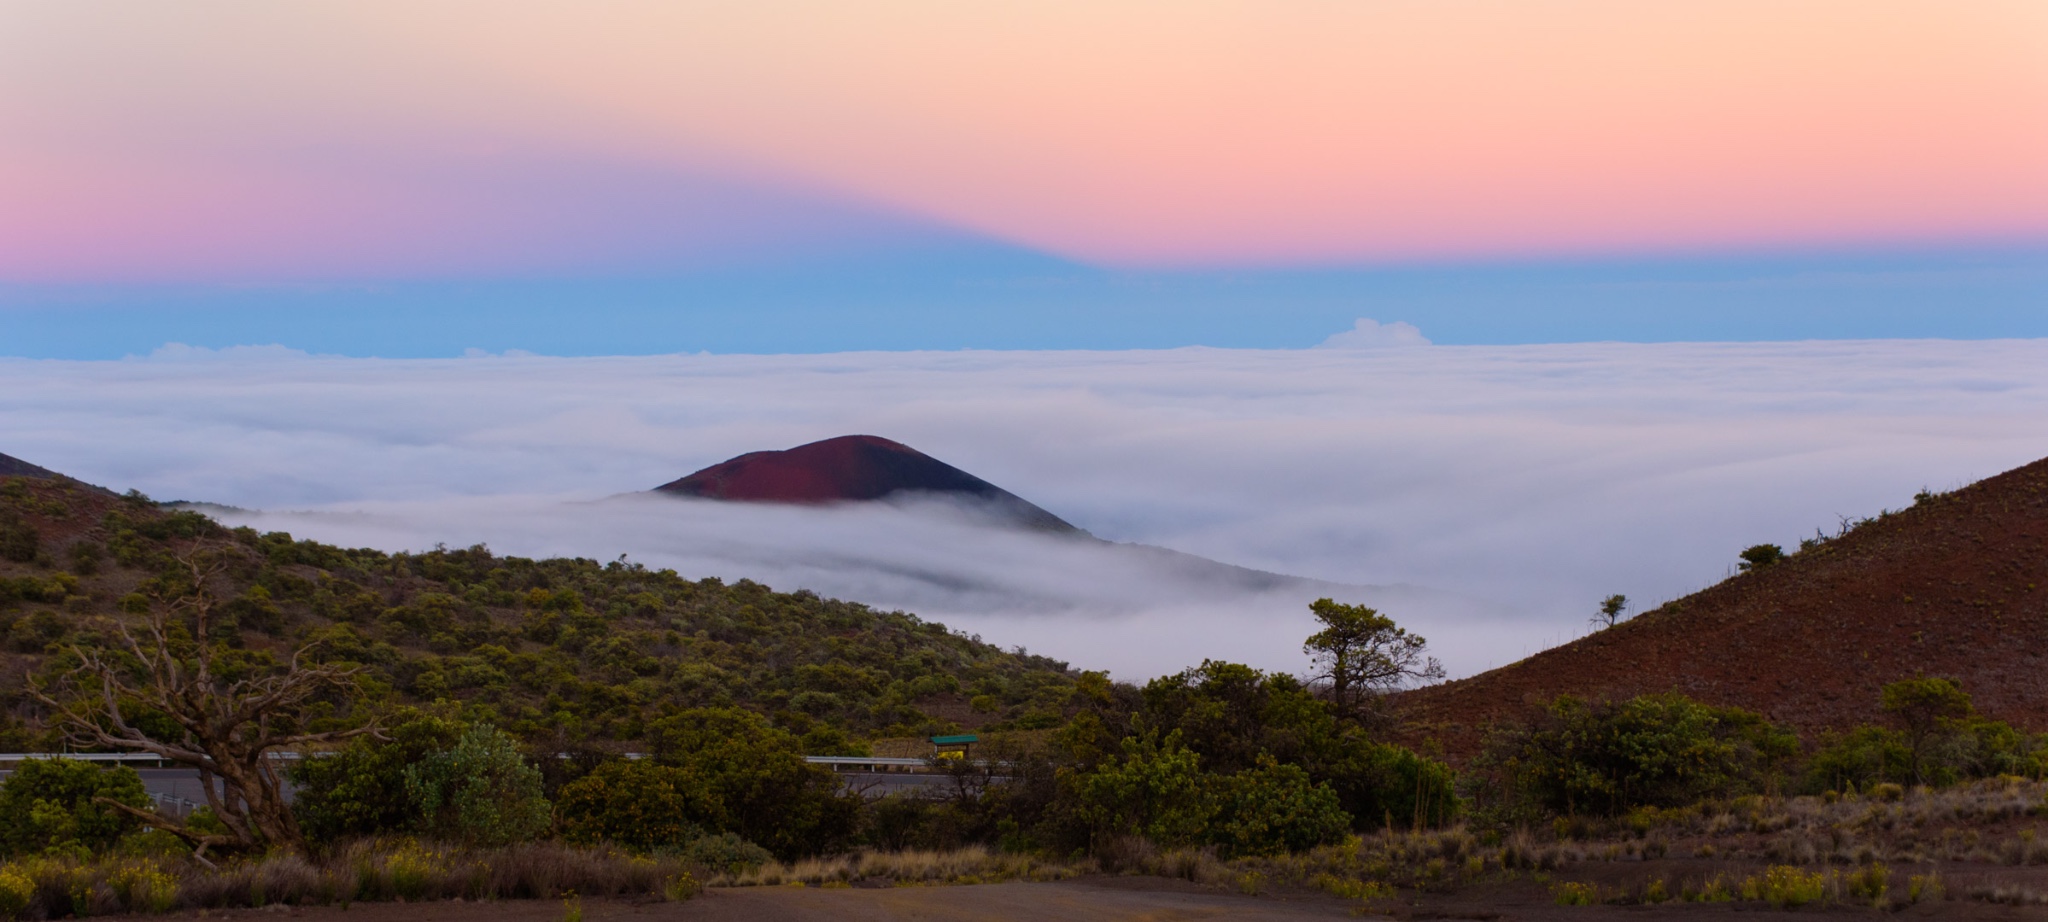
(1086, 900)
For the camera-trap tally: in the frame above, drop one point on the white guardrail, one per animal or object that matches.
(869, 763)
(837, 763)
(7, 758)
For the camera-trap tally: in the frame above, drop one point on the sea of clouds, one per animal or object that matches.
(1487, 497)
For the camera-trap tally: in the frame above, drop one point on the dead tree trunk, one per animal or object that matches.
(227, 730)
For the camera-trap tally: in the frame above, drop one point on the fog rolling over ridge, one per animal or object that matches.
(1135, 610)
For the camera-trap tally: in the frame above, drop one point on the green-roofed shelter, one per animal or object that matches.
(953, 747)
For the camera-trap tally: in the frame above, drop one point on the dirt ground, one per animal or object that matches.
(1093, 899)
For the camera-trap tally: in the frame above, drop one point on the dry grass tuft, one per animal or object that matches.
(971, 865)
(365, 871)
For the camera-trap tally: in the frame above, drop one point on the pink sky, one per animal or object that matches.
(245, 139)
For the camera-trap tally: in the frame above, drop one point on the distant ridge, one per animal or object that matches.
(853, 468)
(1955, 586)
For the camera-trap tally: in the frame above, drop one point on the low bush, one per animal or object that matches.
(971, 865)
(16, 889)
(1573, 893)
(1273, 809)
(1607, 758)
(1937, 739)
(360, 791)
(725, 853)
(480, 792)
(634, 804)
(1787, 887)
(753, 781)
(49, 805)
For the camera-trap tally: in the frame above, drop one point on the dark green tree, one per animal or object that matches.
(1363, 654)
(1931, 713)
(1610, 610)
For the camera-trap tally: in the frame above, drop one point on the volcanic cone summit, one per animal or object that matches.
(853, 468)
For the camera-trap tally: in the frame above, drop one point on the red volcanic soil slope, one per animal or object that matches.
(1956, 586)
(851, 468)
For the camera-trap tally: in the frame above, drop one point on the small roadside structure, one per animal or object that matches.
(950, 748)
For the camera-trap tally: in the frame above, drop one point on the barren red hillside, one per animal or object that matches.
(1956, 586)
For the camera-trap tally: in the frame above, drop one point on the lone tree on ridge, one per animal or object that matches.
(1610, 610)
(1363, 655)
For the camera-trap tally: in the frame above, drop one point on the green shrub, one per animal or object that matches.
(1930, 713)
(1993, 747)
(1573, 893)
(48, 804)
(754, 781)
(359, 791)
(19, 541)
(478, 792)
(1156, 789)
(1871, 883)
(1607, 758)
(16, 889)
(638, 805)
(1759, 556)
(1861, 757)
(143, 887)
(1788, 887)
(1936, 739)
(1273, 809)
(725, 853)
(1382, 785)
(1234, 716)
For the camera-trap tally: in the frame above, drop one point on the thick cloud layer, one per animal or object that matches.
(1535, 479)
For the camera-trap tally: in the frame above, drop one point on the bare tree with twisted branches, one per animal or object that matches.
(226, 729)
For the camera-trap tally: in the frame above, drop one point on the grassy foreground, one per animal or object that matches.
(1892, 848)
(56, 887)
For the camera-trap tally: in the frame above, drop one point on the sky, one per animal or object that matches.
(416, 179)
(1509, 488)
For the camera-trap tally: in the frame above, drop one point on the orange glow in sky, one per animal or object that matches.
(228, 138)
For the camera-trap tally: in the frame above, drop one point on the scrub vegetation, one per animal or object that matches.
(465, 725)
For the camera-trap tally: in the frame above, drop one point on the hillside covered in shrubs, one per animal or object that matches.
(572, 651)
(483, 727)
